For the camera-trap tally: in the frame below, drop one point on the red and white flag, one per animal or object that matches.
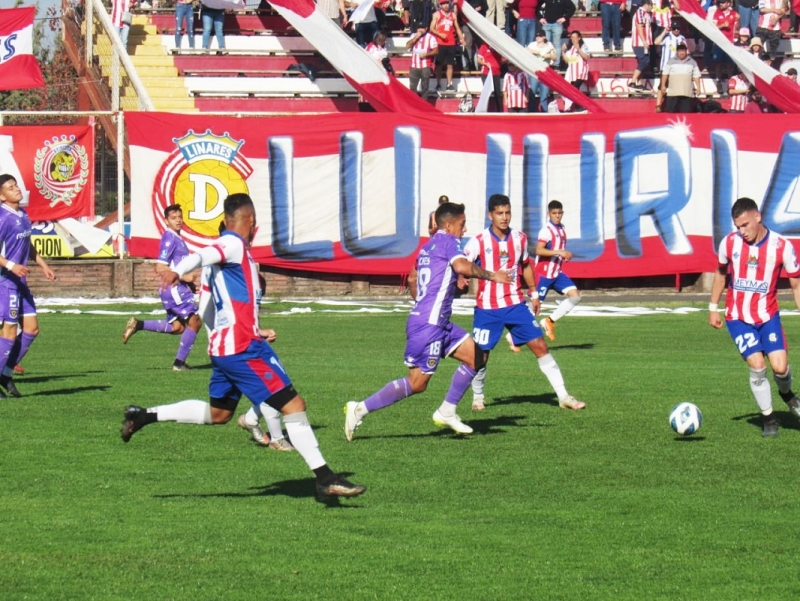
(369, 78)
(778, 89)
(526, 61)
(18, 66)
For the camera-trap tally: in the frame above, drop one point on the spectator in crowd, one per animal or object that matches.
(769, 23)
(661, 21)
(758, 104)
(525, 13)
(576, 56)
(365, 23)
(515, 90)
(496, 13)
(743, 39)
(791, 73)
(554, 15)
(335, 9)
(756, 46)
(611, 23)
(471, 40)
(424, 49)
(213, 18)
(727, 21)
(641, 40)
(444, 25)
(669, 40)
(738, 91)
(184, 17)
(677, 79)
(544, 50)
(122, 18)
(489, 61)
(748, 14)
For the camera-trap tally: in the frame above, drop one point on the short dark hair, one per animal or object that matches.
(743, 205)
(171, 208)
(498, 200)
(791, 71)
(554, 204)
(5, 178)
(234, 202)
(448, 211)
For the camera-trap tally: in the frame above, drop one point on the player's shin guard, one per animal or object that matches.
(478, 381)
(552, 372)
(20, 348)
(184, 412)
(761, 390)
(394, 391)
(187, 342)
(784, 381)
(565, 306)
(303, 439)
(6, 346)
(462, 378)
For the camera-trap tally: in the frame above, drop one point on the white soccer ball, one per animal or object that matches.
(685, 418)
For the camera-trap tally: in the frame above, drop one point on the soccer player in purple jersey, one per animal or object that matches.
(242, 361)
(178, 300)
(16, 300)
(430, 335)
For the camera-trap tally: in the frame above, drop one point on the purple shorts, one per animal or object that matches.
(257, 373)
(178, 301)
(426, 345)
(15, 303)
(764, 338)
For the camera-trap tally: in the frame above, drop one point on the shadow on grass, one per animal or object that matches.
(786, 420)
(585, 346)
(689, 438)
(58, 391)
(29, 379)
(537, 399)
(203, 367)
(480, 426)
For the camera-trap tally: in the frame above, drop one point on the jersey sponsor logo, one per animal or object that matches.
(61, 169)
(746, 285)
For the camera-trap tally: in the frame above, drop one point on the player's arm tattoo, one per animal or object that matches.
(480, 273)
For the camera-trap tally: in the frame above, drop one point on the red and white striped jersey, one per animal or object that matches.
(515, 87)
(424, 45)
(377, 52)
(493, 254)
(117, 8)
(770, 20)
(662, 14)
(555, 238)
(577, 66)
(641, 17)
(738, 101)
(754, 269)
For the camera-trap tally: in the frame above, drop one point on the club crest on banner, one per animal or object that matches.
(61, 169)
(198, 175)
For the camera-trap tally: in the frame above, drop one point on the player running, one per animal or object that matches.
(751, 258)
(501, 306)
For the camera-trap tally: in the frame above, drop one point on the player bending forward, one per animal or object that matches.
(501, 248)
(242, 361)
(753, 257)
(430, 335)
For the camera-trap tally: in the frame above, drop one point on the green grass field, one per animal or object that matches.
(540, 503)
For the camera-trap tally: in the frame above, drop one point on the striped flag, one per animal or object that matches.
(18, 67)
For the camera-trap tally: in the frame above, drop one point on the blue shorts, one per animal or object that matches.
(762, 338)
(426, 344)
(257, 373)
(15, 303)
(561, 284)
(488, 325)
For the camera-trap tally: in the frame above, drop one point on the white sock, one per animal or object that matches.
(302, 438)
(447, 409)
(761, 390)
(551, 370)
(478, 381)
(565, 306)
(784, 381)
(273, 418)
(251, 417)
(361, 410)
(185, 412)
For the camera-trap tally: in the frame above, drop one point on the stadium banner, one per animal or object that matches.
(351, 193)
(54, 166)
(19, 69)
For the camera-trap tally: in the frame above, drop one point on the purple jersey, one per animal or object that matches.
(15, 237)
(436, 280)
(179, 298)
(172, 249)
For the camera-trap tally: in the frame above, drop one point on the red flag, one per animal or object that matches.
(18, 66)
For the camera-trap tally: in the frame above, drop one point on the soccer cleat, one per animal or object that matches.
(794, 406)
(351, 421)
(770, 426)
(18, 369)
(549, 328)
(135, 419)
(478, 402)
(255, 431)
(130, 330)
(454, 423)
(11, 388)
(281, 444)
(182, 367)
(339, 488)
(511, 344)
(570, 402)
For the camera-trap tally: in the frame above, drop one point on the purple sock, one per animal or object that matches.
(187, 342)
(162, 326)
(5, 351)
(19, 351)
(462, 378)
(388, 395)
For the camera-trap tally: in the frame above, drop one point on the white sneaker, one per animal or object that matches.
(145, 5)
(478, 402)
(351, 422)
(511, 344)
(257, 433)
(570, 402)
(454, 423)
(281, 444)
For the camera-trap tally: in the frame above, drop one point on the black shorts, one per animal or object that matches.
(447, 55)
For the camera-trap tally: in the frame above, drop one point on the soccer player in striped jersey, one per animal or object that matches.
(242, 361)
(430, 335)
(551, 254)
(499, 248)
(751, 259)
